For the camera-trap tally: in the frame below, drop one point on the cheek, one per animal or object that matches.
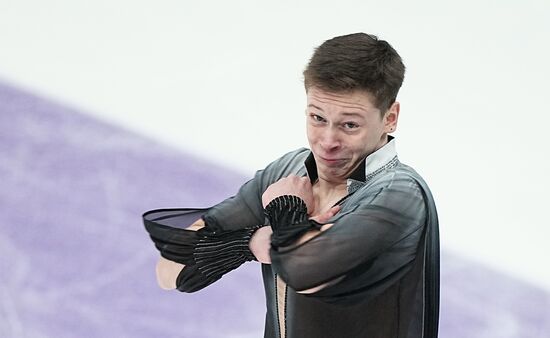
(364, 143)
(311, 133)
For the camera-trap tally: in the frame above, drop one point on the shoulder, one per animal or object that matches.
(291, 163)
(399, 175)
(410, 176)
(393, 187)
(401, 189)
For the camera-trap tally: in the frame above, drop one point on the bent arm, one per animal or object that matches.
(373, 245)
(224, 232)
(198, 255)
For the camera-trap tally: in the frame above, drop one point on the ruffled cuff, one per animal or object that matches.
(213, 255)
(288, 218)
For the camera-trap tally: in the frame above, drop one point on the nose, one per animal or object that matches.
(330, 140)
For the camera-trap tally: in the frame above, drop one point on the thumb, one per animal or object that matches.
(322, 218)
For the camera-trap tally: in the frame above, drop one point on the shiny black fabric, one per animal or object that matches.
(380, 259)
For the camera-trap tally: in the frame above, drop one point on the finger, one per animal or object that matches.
(326, 227)
(328, 214)
(321, 218)
(334, 210)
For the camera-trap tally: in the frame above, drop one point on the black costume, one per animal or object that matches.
(380, 259)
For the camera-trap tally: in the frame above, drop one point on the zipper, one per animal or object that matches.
(281, 290)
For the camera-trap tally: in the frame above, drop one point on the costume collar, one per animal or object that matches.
(366, 168)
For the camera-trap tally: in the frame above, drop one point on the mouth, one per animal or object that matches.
(331, 161)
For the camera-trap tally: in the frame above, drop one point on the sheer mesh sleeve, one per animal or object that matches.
(364, 251)
(214, 255)
(206, 254)
(166, 227)
(223, 244)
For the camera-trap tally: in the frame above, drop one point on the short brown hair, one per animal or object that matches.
(357, 62)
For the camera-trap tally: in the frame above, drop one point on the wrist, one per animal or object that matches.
(260, 243)
(288, 217)
(286, 210)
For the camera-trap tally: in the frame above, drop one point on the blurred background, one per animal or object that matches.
(112, 108)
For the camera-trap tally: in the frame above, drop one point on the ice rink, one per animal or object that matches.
(109, 109)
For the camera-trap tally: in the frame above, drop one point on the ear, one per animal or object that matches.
(391, 117)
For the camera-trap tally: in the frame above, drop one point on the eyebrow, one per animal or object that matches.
(353, 114)
(314, 106)
(345, 113)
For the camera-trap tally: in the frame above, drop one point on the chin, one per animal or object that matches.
(332, 175)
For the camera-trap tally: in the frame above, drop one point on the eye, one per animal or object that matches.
(350, 125)
(316, 118)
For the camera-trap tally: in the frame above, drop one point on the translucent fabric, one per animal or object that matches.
(374, 243)
(206, 254)
(378, 265)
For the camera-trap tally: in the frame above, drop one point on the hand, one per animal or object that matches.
(260, 243)
(290, 185)
(167, 271)
(199, 224)
(322, 218)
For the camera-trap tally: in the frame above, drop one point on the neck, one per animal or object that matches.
(326, 194)
(330, 186)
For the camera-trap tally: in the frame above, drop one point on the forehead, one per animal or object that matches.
(345, 101)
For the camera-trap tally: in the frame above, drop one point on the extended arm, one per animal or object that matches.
(363, 250)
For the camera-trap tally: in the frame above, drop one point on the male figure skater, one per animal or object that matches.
(347, 234)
